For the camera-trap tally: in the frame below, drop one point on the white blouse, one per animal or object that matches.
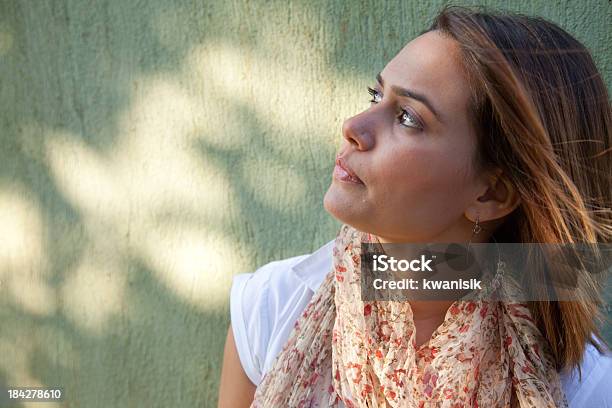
(264, 306)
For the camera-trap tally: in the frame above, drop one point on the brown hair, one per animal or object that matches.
(542, 114)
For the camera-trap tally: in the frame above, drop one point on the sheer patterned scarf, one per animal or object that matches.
(346, 352)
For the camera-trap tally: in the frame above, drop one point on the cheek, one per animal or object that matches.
(428, 175)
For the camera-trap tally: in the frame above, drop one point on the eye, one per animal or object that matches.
(406, 118)
(376, 96)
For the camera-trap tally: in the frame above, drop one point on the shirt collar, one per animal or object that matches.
(313, 268)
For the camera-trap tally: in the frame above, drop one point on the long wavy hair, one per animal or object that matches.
(542, 114)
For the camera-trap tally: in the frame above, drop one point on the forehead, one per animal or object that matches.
(430, 64)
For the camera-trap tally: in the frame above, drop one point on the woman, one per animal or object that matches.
(485, 128)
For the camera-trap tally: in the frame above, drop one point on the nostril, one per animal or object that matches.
(359, 130)
(351, 133)
(353, 141)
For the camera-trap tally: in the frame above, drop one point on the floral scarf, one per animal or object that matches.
(347, 352)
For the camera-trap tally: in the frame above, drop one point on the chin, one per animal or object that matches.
(343, 209)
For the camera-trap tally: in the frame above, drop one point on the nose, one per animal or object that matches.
(359, 132)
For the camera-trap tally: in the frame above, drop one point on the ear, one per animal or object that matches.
(497, 198)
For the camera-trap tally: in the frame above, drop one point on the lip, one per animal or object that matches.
(343, 172)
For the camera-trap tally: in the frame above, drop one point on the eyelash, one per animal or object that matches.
(404, 113)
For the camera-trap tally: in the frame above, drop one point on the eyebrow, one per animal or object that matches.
(411, 94)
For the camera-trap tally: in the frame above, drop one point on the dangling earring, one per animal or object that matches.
(496, 280)
(475, 231)
(477, 228)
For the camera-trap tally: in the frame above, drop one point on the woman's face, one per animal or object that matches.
(411, 155)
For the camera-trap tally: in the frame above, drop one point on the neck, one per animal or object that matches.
(429, 309)
(461, 231)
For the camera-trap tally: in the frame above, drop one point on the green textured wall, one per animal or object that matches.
(152, 149)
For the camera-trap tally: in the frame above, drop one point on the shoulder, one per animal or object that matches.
(593, 388)
(265, 304)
